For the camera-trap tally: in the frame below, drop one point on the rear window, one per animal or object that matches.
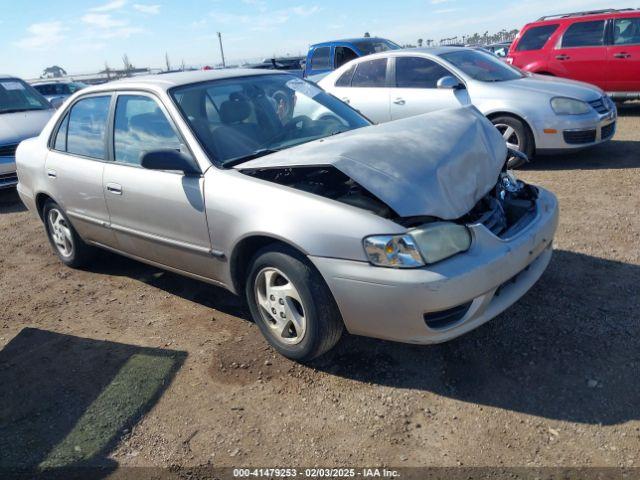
(584, 34)
(536, 37)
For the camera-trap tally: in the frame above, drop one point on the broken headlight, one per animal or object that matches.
(427, 244)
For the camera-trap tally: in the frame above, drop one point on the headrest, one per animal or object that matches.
(234, 111)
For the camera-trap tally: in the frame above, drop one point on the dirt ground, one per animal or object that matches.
(126, 365)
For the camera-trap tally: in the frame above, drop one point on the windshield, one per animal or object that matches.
(240, 118)
(367, 48)
(17, 96)
(481, 66)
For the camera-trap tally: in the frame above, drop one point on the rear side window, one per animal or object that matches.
(584, 34)
(371, 74)
(535, 38)
(626, 31)
(87, 127)
(416, 72)
(140, 126)
(321, 58)
(345, 78)
(60, 142)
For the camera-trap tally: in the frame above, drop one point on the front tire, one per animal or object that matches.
(64, 239)
(515, 133)
(291, 304)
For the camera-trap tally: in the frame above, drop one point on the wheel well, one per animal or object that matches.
(244, 252)
(493, 115)
(41, 199)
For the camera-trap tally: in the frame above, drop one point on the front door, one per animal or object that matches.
(416, 91)
(75, 166)
(156, 215)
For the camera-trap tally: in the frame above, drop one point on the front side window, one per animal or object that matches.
(321, 58)
(87, 127)
(626, 31)
(17, 96)
(372, 73)
(140, 126)
(417, 72)
(239, 118)
(535, 38)
(584, 34)
(481, 66)
(344, 55)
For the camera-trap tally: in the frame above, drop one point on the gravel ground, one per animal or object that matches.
(126, 365)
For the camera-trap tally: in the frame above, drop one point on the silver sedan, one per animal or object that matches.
(534, 113)
(265, 185)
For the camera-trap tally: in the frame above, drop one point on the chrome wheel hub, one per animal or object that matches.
(60, 233)
(280, 305)
(510, 136)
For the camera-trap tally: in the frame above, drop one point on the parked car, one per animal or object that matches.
(324, 57)
(500, 49)
(411, 231)
(23, 114)
(58, 91)
(293, 65)
(534, 113)
(601, 47)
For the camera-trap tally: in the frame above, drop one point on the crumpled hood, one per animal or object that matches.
(15, 127)
(439, 164)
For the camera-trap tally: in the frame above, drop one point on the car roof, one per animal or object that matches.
(351, 40)
(170, 80)
(565, 18)
(425, 50)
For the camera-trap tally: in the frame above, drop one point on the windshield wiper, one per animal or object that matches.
(252, 156)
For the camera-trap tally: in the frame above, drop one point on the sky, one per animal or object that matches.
(81, 36)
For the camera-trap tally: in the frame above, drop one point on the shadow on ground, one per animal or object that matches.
(568, 350)
(10, 201)
(65, 400)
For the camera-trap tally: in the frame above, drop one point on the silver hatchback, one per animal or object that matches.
(262, 183)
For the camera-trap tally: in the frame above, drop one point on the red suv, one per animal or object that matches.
(600, 47)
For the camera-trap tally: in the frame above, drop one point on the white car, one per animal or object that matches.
(534, 113)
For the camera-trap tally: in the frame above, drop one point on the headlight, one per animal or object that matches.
(423, 245)
(569, 106)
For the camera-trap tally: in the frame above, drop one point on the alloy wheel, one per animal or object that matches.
(280, 305)
(60, 233)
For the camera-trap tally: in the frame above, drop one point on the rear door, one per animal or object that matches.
(365, 88)
(75, 166)
(156, 215)
(415, 88)
(581, 53)
(623, 55)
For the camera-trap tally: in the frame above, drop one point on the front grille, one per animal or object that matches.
(8, 150)
(607, 130)
(577, 137)
(599, 105)
(8, 180)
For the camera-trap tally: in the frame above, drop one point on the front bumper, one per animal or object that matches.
(391, 304)
(8, 175)
(574, 132)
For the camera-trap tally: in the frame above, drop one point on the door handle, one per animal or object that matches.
(345, 99)
(399, 101)
(622, 55)
(562, 57)
(114, 188)
(51, 173)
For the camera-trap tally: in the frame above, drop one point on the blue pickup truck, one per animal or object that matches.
(324, 57)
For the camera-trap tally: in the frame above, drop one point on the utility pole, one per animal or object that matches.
(221, 50)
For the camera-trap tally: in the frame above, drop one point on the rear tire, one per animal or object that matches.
(291, 304)
(64, 239)
(516, 134)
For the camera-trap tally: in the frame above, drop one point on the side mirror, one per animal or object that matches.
(169, 159)
(449, 83)
(56, 102)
